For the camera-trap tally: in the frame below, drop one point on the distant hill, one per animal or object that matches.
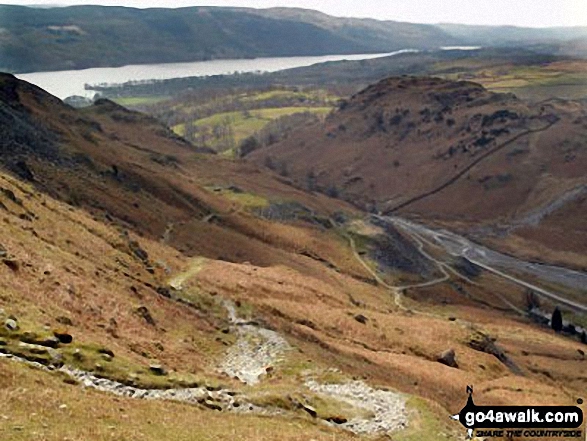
(77, 37)
(512, 35)
(94, 36)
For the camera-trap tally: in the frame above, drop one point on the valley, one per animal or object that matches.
(329, 252)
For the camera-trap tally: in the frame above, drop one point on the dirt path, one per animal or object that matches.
(194, 267)
(256, 350)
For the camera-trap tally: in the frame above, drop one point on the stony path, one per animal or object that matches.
(388, 408)
(221, 399)
(255, 351)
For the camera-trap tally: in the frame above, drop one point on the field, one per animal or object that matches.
(222, 120)
(240, 125)
(563, 79)
(135, 101)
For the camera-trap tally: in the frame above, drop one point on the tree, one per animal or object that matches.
(249, 145)
(311, 180)
(332, 191)
(557, 320)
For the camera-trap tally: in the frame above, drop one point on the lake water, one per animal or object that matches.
(71, 82)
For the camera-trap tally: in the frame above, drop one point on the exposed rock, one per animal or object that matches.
(40, 354)
(483, 343)
(448, 358)
(11, 263)
(361, 319)
(35, 339)
(310, 410)
(106, 351)
(211, 405)
(138, 251)
(157, 369)
(66, 321)
(143, 312)
(63, 336)
(3, 252)
(388, 409)
(11, 324)
(337, 419)
(164, 291)
(255, 349)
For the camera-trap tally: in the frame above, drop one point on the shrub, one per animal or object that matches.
(557, 320)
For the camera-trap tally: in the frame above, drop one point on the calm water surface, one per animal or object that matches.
(71, 82)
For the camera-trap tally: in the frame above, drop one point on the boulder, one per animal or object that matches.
(63, 336)
(11, 324)
(361, 319)
(310, 410)
(106, 351)
(211, 405)
(157, 369)
(36, 339)
(448, 358)
(145, 314)
(66, 321)
(11, 263)
(39, 354)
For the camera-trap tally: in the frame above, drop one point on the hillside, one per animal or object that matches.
(453, 152)
(508, 35)
(92, 36)
(150, 289)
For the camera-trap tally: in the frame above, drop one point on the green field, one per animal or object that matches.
(139, 100)
(280, 94)
(246, 123)
(555, 80)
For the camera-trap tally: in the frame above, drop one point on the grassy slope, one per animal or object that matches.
(243, 126)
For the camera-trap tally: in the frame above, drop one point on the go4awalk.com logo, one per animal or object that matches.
(530, 422)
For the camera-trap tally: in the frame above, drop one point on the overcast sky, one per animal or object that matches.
(535, 13)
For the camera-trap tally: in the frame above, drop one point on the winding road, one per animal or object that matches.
(497, 263)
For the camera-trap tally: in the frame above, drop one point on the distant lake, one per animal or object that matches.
(71, 82)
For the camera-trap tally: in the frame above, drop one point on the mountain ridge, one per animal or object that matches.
(86, 36)
(78, 37)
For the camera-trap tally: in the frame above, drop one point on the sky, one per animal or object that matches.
(533, 13)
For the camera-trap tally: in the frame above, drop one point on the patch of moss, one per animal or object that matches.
(425, 424)
(308, 403)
